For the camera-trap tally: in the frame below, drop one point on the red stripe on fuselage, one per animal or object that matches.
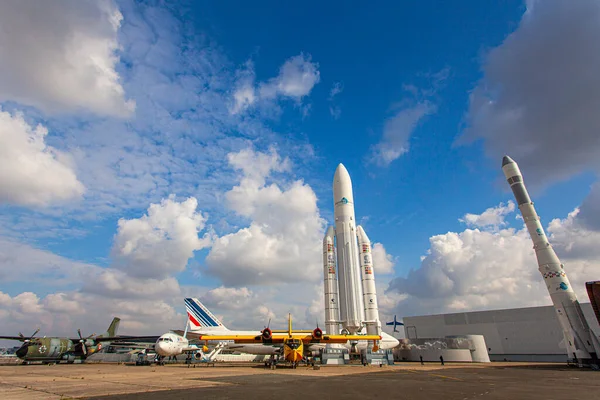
(194, 321)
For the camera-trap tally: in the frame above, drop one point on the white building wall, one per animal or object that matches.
(519, 334)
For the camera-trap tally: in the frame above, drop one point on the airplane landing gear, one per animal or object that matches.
(271, 363)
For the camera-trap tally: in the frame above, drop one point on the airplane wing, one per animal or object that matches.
(121, 339)
(19, 338)
(258, 339)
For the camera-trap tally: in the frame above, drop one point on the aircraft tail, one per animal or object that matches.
(112, 329)
(201, 318)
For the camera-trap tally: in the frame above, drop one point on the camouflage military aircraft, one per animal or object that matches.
(57, 349)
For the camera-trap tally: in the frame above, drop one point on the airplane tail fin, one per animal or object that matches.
(112, 329)
(200, 317)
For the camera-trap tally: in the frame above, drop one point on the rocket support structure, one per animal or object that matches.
(581, 343)
(352, 264)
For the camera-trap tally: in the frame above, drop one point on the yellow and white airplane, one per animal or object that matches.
(292, 345)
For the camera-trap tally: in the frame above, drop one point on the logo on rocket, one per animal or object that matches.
(563, 286)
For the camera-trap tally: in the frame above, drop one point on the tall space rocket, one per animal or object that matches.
(350, 300)
(582, 345)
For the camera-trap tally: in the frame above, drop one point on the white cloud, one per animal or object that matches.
(493, 269)
(382, 261)
(493, 217)
(334, 109)
(540, 93)
(61, 56)
(397, 131)
(410, 112)
(33, 173)
(160, 242)
(283, 241)
(297, 76)
(228, 298)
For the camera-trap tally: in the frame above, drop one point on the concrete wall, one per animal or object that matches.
(433, 355)
(520, 334)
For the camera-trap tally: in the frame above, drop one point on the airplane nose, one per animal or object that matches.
(22, 352)
(297, 355)
(160, 348)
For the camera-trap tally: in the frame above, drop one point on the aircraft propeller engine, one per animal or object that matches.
(317, 334)
(27, 341)
(267, 334)
(82, 345)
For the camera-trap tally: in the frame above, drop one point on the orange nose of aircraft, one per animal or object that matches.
(295, 356)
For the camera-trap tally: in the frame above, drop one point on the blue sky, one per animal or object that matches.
(247, 111)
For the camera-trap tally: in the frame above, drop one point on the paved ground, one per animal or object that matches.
(403, 381)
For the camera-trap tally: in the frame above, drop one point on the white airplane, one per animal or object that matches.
(204, 324)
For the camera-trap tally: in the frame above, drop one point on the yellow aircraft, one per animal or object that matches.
(293, 341)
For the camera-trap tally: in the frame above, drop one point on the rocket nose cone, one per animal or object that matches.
(507, 160)
(340, 171)
(330, 232)
(362, 235)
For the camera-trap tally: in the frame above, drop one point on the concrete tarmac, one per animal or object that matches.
(402, 381)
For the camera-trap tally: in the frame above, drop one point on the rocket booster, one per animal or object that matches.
(351, 301)
(368, 283)
(332, 308)
(579, 339)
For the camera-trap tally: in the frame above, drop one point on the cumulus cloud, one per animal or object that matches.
(493, 217)
(161, 242)
(408, 114)
(382, 261)
(228, 298)
(494, 268)
(540, 94)
(397, 131)
(62, 313)
(297, 76)
(283, 241)
(61, 56)
(33, 173)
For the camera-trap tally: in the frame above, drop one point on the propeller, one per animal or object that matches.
(29, 340)
(82, 342)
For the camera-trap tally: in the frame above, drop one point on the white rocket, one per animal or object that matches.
(581, 343)
(356, 286)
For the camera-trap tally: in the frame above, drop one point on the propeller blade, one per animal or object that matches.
(35, 333)
(79, 333)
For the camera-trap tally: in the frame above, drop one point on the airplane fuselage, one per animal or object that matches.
(55, 349)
